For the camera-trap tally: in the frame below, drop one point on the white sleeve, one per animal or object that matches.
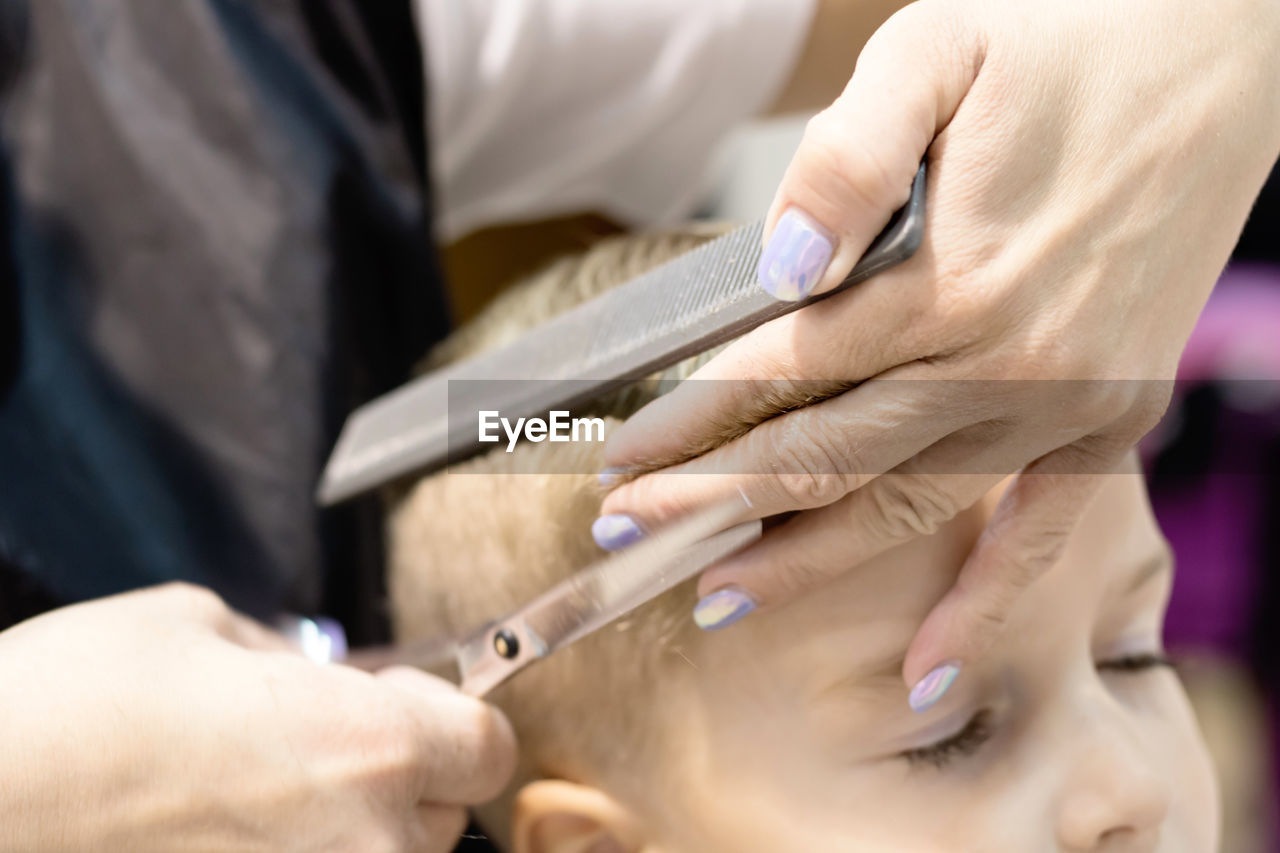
(540, 107)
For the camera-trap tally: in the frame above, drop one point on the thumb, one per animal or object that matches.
(465, 749)
(855, 164)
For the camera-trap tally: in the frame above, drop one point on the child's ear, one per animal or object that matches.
(554, 816)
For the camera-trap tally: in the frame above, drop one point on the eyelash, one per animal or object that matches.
(967, 741)
(1136, 663)
(978, 730)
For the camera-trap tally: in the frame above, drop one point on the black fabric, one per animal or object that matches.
(215, 244)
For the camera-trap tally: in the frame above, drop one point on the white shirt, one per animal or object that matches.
(542, 107)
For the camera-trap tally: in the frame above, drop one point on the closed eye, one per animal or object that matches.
(965, 742)
(979, 729)
(1135, 663)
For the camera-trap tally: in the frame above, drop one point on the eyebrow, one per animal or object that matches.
(1159, 562)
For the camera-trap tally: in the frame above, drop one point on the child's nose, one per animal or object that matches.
(1115, 798)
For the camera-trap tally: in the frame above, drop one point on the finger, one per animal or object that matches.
(1024, 539)
(915, 499)
(436, 829)
(464, 749)
(804, 459)
(855, 164)
(186, 605)
(786, 363)
(184, 602)
(321, 639)
(252, 634)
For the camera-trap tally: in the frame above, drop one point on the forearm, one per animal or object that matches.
(839, 30)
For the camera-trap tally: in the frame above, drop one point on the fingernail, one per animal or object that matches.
(933, 687)
(614, 532)
(795, 257)
(722, 608)
(611, 476)
(321, 639)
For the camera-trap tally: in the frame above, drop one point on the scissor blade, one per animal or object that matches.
(602, 593)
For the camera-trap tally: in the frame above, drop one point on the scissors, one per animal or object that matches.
(684, 307)
(569, 611)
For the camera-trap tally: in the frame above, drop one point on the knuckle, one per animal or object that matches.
(991, 604)
(1074, 374)
(1006, 570)
(1040, 554)
(799, 489)
(988, 617)
(1018, 564)
(851, 171)
(1104, 400)
(1150, 406)
(1122, 410)
(1078, 403)
(197, 602)
(810, 467)
(908, 507)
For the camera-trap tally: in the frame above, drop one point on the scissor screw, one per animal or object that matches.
(506, 644)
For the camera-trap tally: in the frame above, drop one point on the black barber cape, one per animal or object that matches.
(214, 243)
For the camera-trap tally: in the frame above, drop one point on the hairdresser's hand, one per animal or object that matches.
(163, 721)
(1091, 166)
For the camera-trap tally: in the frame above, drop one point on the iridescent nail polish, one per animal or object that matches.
(321, 639)
(611, 476)
(722, 608)
(615, 532)
(795, 258)
(933, 687)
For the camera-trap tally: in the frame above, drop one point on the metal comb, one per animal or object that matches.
(684, 307)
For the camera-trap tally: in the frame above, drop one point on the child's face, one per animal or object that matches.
(1068, 736)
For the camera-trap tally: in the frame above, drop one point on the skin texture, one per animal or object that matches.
(1092, 164)
(794, 725)
(162, 721)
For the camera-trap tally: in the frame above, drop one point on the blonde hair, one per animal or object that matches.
(471, 544)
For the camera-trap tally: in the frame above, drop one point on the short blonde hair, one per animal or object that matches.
(471, 544)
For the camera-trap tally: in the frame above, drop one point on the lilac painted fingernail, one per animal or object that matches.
(722, 608)
(933, 687)
(321, 639)
(615, 532)
(795, 257)
(611, 476)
